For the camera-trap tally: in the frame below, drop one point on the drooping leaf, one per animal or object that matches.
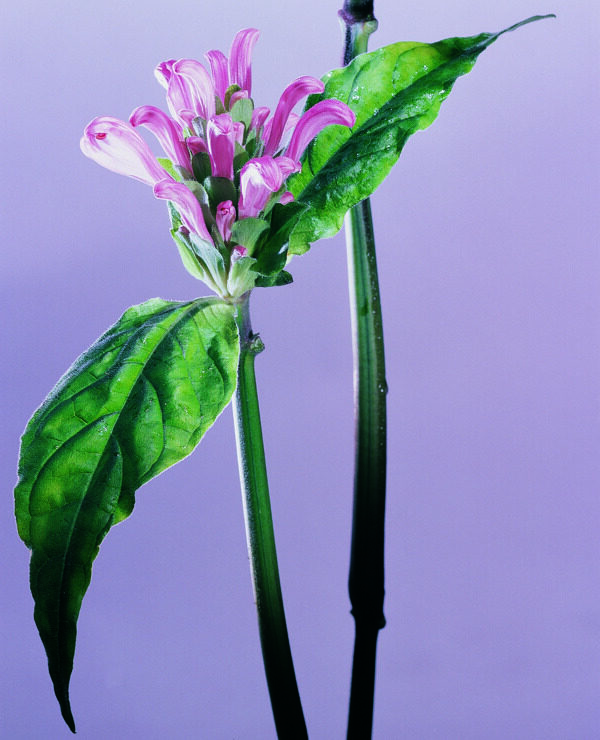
(281, 278)
(394, 91)
(133, 404)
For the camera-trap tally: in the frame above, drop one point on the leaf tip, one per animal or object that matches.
(67, 714)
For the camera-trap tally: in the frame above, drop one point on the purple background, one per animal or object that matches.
(488, 247)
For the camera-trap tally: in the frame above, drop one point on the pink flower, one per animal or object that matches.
(201, 139)
(225, 217)
(117, 146)
(187, 205)
(221, 137)
(259, 178)
(168, 133)
(292, 94)
(240, 55)
(322, 114)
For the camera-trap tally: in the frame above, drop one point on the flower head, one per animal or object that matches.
(227, 161)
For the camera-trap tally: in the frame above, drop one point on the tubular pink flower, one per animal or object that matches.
(258, 179)
(220, 72)
(287, 166)
(237, 95)
(116, 145)
(196, 144)
(259, 116)
(225, 217)
(292, 120)
(190, 90)
(221, 137)
(324, 113)
(238, 252)
(187, 205)
(163, 72)
(292, 94)
(168, 133)
(240, 55)
(286, 197)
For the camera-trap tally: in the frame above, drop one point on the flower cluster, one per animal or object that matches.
(226, 163)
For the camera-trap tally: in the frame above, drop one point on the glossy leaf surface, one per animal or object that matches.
(136, 402)
(394, 91)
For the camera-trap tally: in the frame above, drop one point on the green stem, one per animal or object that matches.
(366, 578)
(277, 655)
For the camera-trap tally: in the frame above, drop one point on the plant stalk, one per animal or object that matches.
(277, 655)
(366, 577)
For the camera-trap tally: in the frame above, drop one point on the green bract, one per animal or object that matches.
(136, 402)
(394, 92)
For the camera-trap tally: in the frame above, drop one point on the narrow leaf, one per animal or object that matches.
(394, 91)
(133, 404)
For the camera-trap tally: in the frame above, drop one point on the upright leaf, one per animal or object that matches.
(394, 92)
(136, 402)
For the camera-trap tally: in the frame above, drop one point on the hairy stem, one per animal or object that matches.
(277, 655)
(366, 578)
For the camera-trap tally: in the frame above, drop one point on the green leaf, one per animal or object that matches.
(167, 165)
(134, 403)
(281, 278)
(271, 249)
(201, 166)
(219, 189)
(247, 232)
(394, 91)
(242, 111)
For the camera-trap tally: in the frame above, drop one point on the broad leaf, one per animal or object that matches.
(394, 92)
(136, 402)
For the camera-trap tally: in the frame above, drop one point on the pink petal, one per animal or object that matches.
(163, 71)
(286, 197)
(196, 144)
(239, 129)
(324, 113)
(240, 55)
(168, 133)
(287, 165)
(258, 179)
(238, 252)
(116, 145)
(220, 72)
(259, 116)
(221, 135)
(187, 205)
(190, 91)
(292, 120)
(292, 94)
(225, 217)
(237, 95)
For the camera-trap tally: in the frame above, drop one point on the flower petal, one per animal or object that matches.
(258, 179)
(292, 94)
(168, 133)
(259, 116)
(187, 205)
(163, 71)
(221, 136)
(225, 217)
(190, 92)
(220, 72)
(324, 113)
(116, 145)
(240, 55)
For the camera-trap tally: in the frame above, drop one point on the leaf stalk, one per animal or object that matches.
(277, 656)
(366, 576)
